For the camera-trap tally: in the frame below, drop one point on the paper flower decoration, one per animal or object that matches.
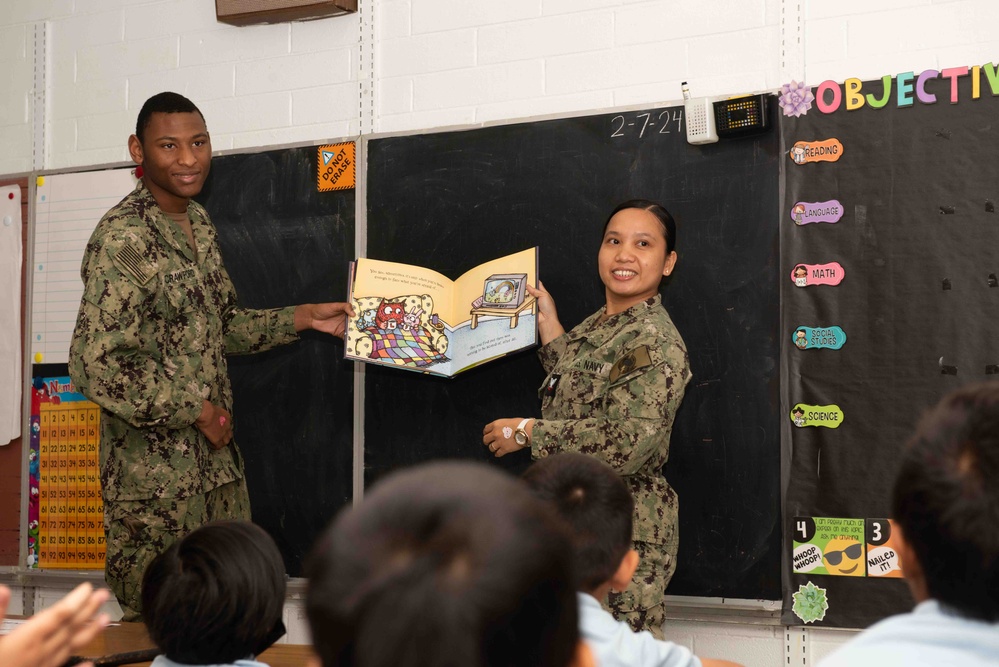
(796, 98)
(810, 603)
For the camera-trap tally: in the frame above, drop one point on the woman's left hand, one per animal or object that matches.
(498, 436)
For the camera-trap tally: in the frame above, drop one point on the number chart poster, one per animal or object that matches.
(888, 237)
(65, 509)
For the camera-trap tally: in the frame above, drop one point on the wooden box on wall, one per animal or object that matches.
(250, 12)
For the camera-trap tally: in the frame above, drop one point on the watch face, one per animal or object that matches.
(520, 437)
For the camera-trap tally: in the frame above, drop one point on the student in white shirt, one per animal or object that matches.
(444, 565)
(945, 504)
(215, 597)
(597, 508)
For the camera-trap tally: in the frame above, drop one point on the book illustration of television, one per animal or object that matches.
(502, 290)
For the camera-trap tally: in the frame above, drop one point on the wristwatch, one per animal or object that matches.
(520, 436)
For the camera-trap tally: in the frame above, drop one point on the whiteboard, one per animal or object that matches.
(67, 209)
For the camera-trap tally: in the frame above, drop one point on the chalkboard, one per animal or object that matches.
(285, 243)
(917, 188)
(452, 200)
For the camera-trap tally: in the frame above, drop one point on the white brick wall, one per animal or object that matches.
(546, 37)
(436, 15)
(270, 83)
(37, 10)
(438, 62)
(15, 104)
(426, 54)
(864, 39)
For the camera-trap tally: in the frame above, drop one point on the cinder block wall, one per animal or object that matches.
(435, 63)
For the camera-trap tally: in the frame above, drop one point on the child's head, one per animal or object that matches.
(215, 595)
(946, 501)
(448, 564)
(597, 507)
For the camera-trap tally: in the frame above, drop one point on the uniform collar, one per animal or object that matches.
(598, 334)
(168, 229)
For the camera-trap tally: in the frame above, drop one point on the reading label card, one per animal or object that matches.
(827, 150)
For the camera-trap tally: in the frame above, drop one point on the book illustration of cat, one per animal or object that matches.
(390, 315)
(398, 330)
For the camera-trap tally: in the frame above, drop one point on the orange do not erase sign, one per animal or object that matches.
(336, 169)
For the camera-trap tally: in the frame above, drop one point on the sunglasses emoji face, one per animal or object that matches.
(844, 556)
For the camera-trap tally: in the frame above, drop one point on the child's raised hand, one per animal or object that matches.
(49, 637)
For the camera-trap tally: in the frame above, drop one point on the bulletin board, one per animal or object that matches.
(888, 269)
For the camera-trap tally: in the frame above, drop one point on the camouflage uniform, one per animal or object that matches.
(154, 326)
(612, 391)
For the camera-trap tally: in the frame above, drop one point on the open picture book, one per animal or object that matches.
(414, 318)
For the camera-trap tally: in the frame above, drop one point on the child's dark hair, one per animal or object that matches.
(662, 215)
(166, 102)
(946, 500)
(444, 565)
(597, 507)
(216, 595)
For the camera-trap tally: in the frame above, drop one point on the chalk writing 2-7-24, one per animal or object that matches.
(648, 120)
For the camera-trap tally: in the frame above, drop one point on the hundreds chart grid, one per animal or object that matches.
(67, 208)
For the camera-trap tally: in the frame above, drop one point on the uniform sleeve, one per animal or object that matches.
(111, 362)
(248, 330)
(549, 354)
(631, 420)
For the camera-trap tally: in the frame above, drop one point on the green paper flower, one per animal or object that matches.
(810, 603)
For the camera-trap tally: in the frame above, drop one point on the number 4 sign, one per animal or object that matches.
(335, 167)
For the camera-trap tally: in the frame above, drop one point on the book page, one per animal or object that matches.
(472, 284)
(498, 316)
(388, 280)
(401, 317)
(474, 347)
